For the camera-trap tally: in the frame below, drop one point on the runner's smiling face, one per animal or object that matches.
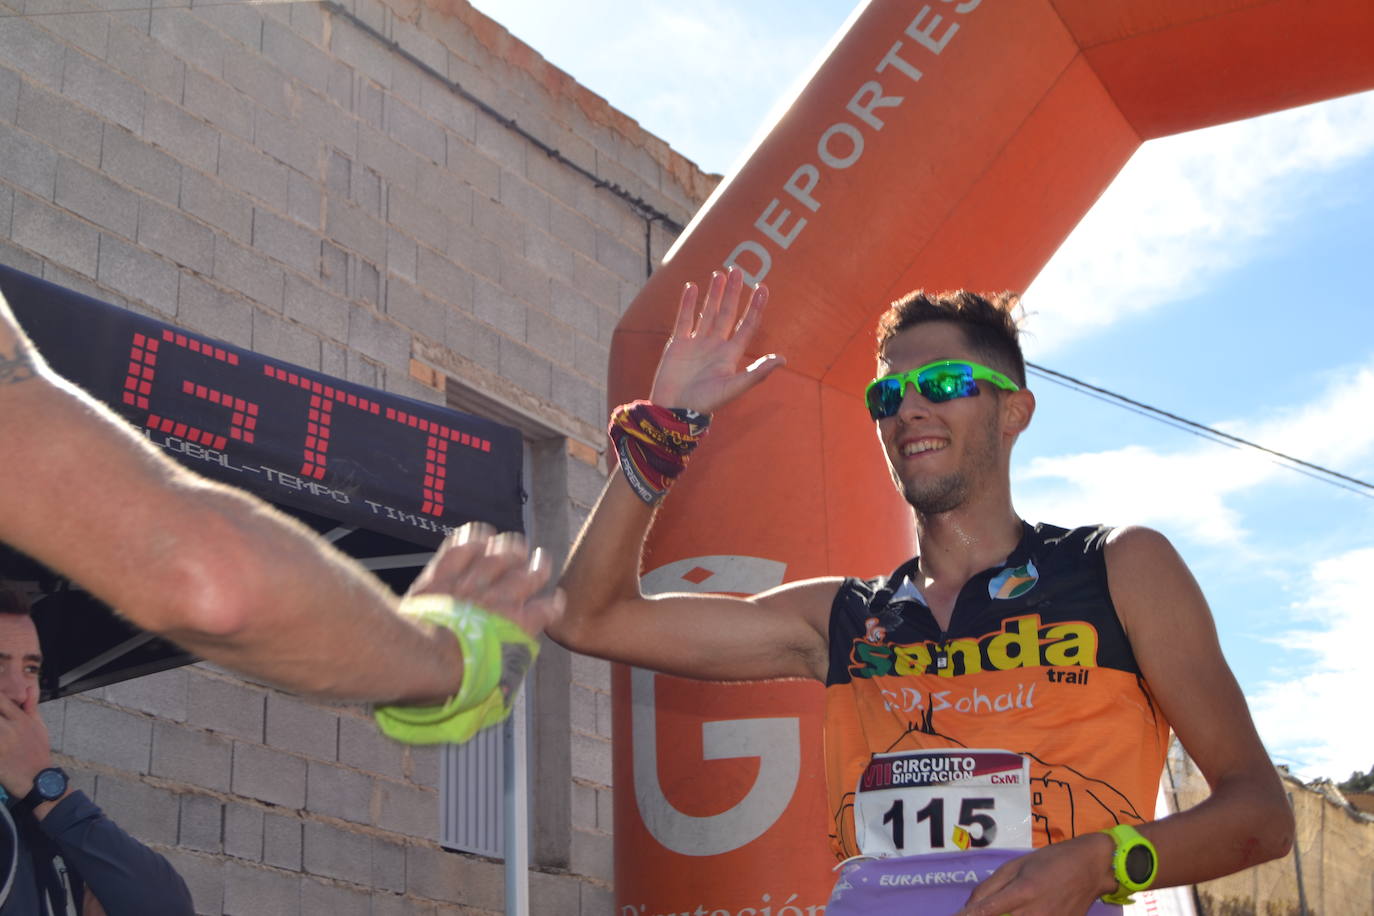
(939, 454)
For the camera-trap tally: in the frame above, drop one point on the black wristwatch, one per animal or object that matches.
(48, 785)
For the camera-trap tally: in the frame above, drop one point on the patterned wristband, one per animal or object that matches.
(653, 444)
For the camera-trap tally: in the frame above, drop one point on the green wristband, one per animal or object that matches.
(496, 655)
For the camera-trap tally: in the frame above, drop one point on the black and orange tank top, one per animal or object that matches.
(1034, 661)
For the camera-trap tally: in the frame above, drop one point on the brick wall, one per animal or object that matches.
(396, 194)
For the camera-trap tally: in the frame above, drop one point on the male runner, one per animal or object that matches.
(231, 579)
(1073, 650)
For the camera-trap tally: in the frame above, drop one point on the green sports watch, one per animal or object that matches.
(1135, 864)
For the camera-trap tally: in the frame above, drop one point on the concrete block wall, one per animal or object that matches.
(392, 192)
(266, 803)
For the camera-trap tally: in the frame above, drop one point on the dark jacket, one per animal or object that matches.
(128, 878)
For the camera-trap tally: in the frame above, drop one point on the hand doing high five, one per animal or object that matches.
(496, 572)
(700, 368)
(488, 590)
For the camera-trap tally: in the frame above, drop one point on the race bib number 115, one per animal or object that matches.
(914, 802)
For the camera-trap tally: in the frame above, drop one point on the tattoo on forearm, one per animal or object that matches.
(16, 367)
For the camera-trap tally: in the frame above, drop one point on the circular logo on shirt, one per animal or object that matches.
(1013, 582)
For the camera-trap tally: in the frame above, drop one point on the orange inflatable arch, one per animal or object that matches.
(942, 144)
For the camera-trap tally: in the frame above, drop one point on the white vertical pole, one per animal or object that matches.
(516, 792)
(515, 778)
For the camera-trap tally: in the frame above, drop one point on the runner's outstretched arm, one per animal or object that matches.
(779, 633)
(219, 571)
(1245, 821)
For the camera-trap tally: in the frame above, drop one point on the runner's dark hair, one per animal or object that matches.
(986, 320)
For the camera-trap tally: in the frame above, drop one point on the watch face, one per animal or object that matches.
(1139, 863)
(50, 783)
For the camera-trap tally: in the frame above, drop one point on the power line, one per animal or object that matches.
(1202, 435)
(1306, 468)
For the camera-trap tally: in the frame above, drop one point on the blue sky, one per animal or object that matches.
(1222, 277)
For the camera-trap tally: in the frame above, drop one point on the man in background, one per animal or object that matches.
(65, 848)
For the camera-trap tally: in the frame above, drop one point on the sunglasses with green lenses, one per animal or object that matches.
(942, 380)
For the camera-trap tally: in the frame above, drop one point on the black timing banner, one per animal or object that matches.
(296, 437)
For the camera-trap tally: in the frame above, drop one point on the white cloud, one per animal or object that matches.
(701, 76)
(1313, 720)
(1318, 719)
(1188, 491)
(1335, 429)
(718, 68)
(1186, 208)
(1180, 492)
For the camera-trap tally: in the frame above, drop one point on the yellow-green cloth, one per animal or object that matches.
(496, 655)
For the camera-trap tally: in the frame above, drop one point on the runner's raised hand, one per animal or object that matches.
(700, 368)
